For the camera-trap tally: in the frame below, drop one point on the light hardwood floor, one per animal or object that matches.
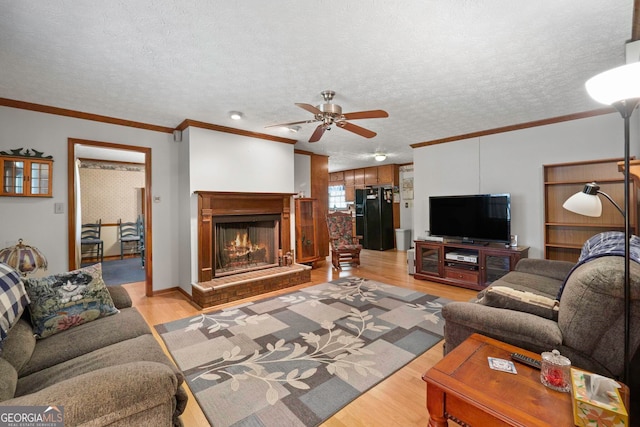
(399, 400)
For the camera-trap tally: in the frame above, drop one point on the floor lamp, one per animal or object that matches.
(620, 88)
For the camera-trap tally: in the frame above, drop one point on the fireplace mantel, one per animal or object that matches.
(217, 203)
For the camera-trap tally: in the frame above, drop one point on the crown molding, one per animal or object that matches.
(511, 128)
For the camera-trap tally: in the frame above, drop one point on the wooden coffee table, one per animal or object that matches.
(462, 387)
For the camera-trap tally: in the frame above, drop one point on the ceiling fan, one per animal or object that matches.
(329, 114)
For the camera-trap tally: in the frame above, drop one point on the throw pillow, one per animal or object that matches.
(65, 300)
(528, 302)
(13, 299)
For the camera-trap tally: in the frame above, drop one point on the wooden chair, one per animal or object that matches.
(141, 243)
(90, 236)
(128, 234)
(345, 247)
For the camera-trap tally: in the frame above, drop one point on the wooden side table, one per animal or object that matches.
(462, 387)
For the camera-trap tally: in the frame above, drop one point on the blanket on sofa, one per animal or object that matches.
(608, 243)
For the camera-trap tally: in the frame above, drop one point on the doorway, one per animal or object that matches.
(96, 150)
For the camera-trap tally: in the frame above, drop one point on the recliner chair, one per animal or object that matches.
(586, 323)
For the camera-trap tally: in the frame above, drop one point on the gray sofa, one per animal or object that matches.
(110, 371)
(585, 324)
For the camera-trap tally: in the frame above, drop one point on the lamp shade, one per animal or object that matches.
(615, 85)
(584, 204)
(380, 157)
(23, 258)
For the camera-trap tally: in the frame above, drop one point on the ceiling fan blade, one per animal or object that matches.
(356, 129)
(317, 134)
(292, 123)
(372, 114)
(310, 108)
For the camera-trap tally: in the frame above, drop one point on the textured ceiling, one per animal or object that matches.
(439, 68)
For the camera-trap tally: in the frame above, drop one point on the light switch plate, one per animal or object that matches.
(58, 208)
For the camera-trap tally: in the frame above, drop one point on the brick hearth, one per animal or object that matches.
(243, 285)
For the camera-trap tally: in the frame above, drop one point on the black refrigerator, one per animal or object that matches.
(374, 218)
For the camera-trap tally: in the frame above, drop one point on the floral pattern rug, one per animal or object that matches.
(297, 359)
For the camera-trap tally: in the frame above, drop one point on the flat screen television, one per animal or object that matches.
(472, 218)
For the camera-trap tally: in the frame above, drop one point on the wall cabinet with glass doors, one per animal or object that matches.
(26, 176)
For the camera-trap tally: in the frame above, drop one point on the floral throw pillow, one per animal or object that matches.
(13, 299)
(65, 300)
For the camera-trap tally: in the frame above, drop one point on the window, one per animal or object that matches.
(337, 199)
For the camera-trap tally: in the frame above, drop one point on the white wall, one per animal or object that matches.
(302, 176)
(33, 219)
(221, 161)
(228, 162)
(512, 162)
(451, 168)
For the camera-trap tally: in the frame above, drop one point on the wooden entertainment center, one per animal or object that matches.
(467, 265)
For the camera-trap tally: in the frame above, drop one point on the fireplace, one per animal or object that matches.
(245, 243)
(240, 238)
(224, 218)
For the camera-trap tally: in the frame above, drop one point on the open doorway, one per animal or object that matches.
(120, 154)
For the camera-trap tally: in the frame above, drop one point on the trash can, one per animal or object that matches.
(403, 239)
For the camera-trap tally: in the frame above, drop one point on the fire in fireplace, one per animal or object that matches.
(245, 243)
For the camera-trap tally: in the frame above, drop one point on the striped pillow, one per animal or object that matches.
(13, 299)
(513, 299)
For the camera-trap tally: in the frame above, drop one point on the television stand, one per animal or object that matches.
(467, 265)
(474, 243)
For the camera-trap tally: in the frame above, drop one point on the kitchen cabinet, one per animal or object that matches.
(371, 176)
(386, 175)
(336, 178)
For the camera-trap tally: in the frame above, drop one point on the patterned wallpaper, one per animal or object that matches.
(110, 191)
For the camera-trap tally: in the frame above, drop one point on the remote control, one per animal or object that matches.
(526, 360)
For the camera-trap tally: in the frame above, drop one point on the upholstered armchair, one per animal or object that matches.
(345, 247)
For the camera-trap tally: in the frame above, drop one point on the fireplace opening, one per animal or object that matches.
(245, 242)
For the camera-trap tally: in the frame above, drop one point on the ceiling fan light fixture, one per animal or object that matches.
(329, 114)
(235, 115)
(293, 129)
(380, 157)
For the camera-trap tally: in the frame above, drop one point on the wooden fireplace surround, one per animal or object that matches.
(218, 203)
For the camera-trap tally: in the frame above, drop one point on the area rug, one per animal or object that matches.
(120, 271)
(297, 359)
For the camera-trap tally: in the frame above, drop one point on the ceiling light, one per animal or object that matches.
(235, 115)
(293, 129)
(380, 157)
